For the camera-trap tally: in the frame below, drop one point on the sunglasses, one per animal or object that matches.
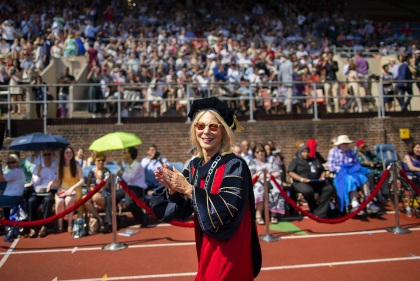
(213, 127)
(47, 154)
(100, 160)
(258, 151)
(11, 162)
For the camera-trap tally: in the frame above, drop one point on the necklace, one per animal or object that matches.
(209, 174)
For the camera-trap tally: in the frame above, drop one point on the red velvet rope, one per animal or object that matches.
(38, 223)
(332, 221)
(412, 184)
(142, 205)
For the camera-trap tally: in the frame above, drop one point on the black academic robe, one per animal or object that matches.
(224, 218)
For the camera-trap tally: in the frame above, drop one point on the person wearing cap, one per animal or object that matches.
(374, 164)
(217, 188)
(308, 176)
(343, 156)
(15, 178)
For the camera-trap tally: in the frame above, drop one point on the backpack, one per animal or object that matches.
(79, 227)
(12, 232)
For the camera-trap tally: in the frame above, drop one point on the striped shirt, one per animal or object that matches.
(337, 157)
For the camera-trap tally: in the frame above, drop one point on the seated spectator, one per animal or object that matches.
(275, 200)
(79, 157)
(69, 180)
(95, 176)
(312, 144)
(343, 155)
(133, 175)
(374, 164)
(15, 178)
(150, 163)
(35, 158)
(246, 153)
(308, 175)
(43, 174)
(412, 160)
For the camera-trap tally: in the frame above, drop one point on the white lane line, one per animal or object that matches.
(100, 248)
(305, 217)
(272, 268)
(9, 252)
(74, 250)
(340, 234)
(330, 264)
(193, 243)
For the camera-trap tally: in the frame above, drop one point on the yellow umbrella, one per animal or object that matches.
(115, 141)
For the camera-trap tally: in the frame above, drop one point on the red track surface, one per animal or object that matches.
(323, 254)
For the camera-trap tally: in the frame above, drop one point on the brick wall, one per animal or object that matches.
(172, 138)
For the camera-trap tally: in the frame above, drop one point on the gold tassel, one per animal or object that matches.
(238, 127)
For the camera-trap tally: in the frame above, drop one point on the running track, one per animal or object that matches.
(358, 249)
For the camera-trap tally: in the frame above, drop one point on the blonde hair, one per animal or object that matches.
(228, 137)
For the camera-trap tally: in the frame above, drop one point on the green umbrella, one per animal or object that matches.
(115, 141)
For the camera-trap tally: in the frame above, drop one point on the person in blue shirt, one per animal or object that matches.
(404, 73)
(219, 71)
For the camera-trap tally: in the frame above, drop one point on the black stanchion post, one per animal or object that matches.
(114, 246)
(397, 229)
(267, 237)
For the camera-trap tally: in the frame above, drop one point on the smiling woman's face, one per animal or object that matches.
(209, 140)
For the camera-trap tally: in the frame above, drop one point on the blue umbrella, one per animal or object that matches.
(38, 141)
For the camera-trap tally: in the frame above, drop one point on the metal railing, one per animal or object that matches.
(245, 98)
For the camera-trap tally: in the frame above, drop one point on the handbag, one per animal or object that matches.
(93, 226)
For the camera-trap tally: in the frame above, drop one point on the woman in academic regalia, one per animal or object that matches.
(217, 187)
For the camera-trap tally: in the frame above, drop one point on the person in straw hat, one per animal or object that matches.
(343, 157)
(217, 188)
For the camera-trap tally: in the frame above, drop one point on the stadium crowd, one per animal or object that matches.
(53, 181)
(157, 48)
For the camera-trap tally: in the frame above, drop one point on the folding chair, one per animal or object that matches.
(385, 152)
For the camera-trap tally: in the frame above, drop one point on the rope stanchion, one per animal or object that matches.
(410, 182)
(142, 205)
(332, 221)
(38, 223)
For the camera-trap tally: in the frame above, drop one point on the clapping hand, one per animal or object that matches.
(173, 180)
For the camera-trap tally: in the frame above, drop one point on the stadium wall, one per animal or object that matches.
(172, 138)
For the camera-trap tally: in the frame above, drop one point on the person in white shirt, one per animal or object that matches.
(150, 163)
(394, 67)
(44, 173)
(35, 158)
(134, 176)
(90, 30)
(15, 178)
(4, 47)
(8, 32)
